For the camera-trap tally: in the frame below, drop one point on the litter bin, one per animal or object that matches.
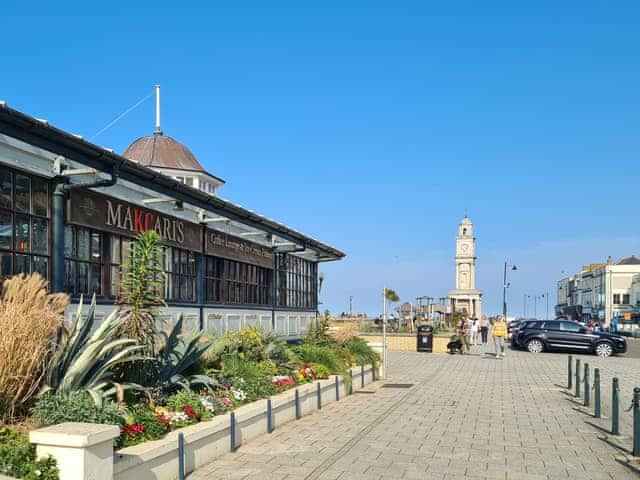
(425, 338)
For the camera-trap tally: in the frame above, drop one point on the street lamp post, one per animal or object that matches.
(384, 333)
(504, 290)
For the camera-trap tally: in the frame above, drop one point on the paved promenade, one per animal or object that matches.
(465, 417)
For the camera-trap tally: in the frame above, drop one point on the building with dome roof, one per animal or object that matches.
(170, 157)
(69, 210)
(465, 298)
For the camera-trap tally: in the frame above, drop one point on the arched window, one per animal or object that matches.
(464, 231)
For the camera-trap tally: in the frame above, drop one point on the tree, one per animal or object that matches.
(391, 297)
(141, 289)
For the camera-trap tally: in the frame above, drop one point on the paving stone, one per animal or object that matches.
(466, 417)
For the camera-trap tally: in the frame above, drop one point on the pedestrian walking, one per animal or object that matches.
(461, 335)
(499, 336)
(474, 331)
(467, 333)
(484, 331)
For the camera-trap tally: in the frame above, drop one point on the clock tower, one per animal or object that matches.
(465, 297)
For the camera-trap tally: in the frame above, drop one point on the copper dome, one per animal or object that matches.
(161, 151)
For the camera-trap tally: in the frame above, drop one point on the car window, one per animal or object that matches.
(569, 327)
(551, 325)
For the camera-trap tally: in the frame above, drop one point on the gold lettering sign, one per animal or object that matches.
(98, 211)
(226, 246)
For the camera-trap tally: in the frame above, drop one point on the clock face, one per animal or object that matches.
(464, 247)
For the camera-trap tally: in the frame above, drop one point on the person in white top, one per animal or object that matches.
(474, 332)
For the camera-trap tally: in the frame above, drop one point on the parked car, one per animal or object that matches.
(540, 335)
(514, 329)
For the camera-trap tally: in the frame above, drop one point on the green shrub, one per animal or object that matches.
(361, 352)
(255, 388)
(245, 344)
(330, 357)
(18, 458)
(188, 398)
(322, 372)
(153, 428)
(54, 408)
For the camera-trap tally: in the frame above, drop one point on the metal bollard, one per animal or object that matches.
(577, 377)
(362, 376)
(337, 388)
(319, 395)
(232, 431)
(615, 407)
(269, 416)
(587, 392)
(181, 472)
(373, 372)
(569, 373)
(297, 399)
(596, 393)
(636, 422)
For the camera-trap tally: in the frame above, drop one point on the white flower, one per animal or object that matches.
(37, 473)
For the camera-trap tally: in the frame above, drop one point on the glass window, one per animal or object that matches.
(616, 299)
(40, 235)
(626, 299)
(23, 193)
(22, 233)
(569, 327)
(40, 197)
(551, 325)
(6, 182)
(6, 230)
(83, 261)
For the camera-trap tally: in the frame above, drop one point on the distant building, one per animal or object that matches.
(465, 297)
(602, 290)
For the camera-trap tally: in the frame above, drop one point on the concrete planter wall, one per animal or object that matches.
(204, 442)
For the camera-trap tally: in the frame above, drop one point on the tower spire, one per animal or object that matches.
(158, 130)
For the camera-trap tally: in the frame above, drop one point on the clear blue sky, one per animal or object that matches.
(371, 125)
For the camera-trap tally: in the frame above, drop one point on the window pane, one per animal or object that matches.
(23, 193)
(41, 265)
(21, 264)
(70, 276)
(96, 281)
(115, 280)
(83, 243)
(83, 278)
(96, 250)
(5, 265)
(6, 230)
(115, 249)
(69, 247)
(40, 235)
(5, 189)
(40, 197)
(22, 233)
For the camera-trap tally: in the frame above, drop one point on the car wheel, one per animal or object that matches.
(604, 349)
(535, 346)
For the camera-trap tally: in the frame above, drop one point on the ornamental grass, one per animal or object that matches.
(29, 321)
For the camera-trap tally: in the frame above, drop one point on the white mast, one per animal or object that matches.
(158, 130)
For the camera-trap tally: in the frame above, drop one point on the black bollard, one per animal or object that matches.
(181, 472)
(569, 373)
(362, 376)
(232, 431)
(587, 392)
(319, 395)
(636, 422)
(577, 377)
(337, 388)
(269, 416)
(596, 393)
(615, 407)
(297, 399)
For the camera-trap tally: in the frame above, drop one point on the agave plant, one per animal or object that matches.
(85, 361)
(176, 356)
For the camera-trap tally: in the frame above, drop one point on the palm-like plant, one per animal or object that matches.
(85, 361)
(141, 289)
(176, 356)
